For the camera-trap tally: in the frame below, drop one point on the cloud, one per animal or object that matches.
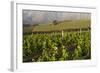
(36, 17)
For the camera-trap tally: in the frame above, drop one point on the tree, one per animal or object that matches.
(55, 22)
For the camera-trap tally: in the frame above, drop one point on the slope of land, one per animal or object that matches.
(75, 24)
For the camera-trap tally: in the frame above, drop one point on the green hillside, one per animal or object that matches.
(75, 24)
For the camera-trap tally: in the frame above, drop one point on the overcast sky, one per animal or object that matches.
(36, 17)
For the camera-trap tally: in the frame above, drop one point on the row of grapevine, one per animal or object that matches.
(54, 47)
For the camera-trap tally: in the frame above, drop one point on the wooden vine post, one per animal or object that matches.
(62, 33)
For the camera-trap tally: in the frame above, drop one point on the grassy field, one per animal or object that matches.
(75, 24)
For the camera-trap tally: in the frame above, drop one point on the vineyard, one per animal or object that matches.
(55, 47)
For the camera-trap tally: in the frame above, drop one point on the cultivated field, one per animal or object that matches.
(40, 46)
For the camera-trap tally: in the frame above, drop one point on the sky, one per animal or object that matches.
(36, 17)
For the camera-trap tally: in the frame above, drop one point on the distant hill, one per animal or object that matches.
(62, 25)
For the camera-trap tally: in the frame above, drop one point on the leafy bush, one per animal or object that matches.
(54, 47)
